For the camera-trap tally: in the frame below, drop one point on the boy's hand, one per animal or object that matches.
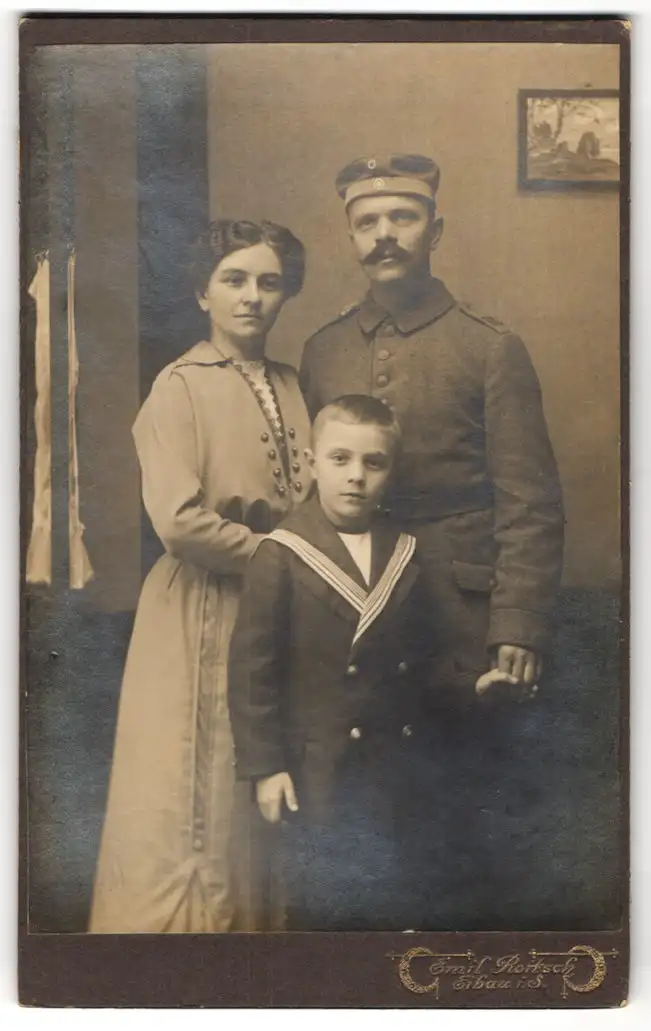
(519, 691)
(271, 792)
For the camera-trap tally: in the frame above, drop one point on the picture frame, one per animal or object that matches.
(77, 187)
(568, 139)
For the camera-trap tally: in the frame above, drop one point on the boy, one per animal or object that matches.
(330, 718)
(324, 684)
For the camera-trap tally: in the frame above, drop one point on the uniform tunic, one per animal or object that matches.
(213, 482)
(477, 480)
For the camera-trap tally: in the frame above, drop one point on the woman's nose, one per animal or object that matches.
(250, 293)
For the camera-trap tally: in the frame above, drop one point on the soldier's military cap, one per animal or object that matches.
(412, 174)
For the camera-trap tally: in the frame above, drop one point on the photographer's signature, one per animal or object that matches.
(580, 969)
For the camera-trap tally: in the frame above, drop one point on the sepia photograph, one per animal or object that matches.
(324, 510)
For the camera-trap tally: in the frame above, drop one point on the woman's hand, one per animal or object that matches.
(271, 792)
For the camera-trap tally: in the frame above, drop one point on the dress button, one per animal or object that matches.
(264, 437)
(272, 454)
(291, 433)
(382, 380)
(402, 667)
(298, 486)
(296, 467)
(407, 731)
(197, 844)
(355, 734)
(352, 670)
(383, 354)
(278, 472)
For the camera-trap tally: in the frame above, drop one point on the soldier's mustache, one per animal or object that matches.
(385, 251)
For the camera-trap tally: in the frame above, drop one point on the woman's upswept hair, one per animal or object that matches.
(226, 235)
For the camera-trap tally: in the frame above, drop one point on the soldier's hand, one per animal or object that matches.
(523, 664)
(271, 792)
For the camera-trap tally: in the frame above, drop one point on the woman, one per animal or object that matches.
(220, 441)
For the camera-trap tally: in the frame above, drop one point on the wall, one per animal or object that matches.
(283, 118)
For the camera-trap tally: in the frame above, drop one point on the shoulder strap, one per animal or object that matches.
(486, 320)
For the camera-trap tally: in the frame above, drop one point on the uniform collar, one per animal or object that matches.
(430, 305)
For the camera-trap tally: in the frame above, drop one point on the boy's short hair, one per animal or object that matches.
(362, 410)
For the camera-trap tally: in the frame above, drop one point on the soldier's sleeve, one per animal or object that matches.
(308, 379)
(258, 665)
(529, 522)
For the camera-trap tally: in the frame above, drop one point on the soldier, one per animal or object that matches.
(477, 486)
(477, 482)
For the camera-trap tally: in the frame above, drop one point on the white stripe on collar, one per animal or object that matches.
(368, 604)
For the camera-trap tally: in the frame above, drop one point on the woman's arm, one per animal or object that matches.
(166, 440)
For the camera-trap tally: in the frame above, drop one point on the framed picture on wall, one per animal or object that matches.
(324, 585)
(569, 139)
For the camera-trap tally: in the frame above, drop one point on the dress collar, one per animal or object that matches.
(433, 302)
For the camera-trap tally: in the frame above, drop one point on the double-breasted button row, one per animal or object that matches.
(355, 733)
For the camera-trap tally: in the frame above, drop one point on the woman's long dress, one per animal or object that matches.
(214, 478)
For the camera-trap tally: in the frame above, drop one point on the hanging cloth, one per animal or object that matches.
(81, 571)
(39, 551)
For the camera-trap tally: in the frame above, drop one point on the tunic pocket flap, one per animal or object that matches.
(471, 576)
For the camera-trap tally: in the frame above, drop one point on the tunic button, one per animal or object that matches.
(383, 354)
(278, 472)
(352, 670)
(382, 380)
(197, 844)
(296, 467)
(385, 401)
(291, 433)
(280, 489)
(298, 486)
(402, 667)
(407, 731)
(295, 452)
(389, 330)
(264, 437)
(272, 454)
(355, 734)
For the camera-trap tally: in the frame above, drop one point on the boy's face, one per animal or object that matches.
(351, 464)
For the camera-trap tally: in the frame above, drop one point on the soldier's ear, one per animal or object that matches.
(437, 232)
(309, 456)
(202, 301)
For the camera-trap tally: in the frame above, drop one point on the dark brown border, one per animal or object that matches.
(310, 970)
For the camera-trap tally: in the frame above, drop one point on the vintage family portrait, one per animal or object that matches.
(324, 574)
